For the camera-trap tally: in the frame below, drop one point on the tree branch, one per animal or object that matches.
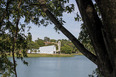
(15, 36)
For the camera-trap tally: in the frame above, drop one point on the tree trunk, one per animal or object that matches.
(94, 26)
(13, 54)
(108, 12)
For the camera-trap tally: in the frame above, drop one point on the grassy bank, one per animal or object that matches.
(53, 55)
(48, 55)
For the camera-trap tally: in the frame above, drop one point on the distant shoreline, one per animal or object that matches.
(48, 55)
(52, 55)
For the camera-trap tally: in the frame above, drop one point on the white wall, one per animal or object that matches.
(48, 49)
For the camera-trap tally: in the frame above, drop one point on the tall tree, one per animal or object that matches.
(46, 39)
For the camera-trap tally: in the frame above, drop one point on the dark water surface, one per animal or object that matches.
(78, 66)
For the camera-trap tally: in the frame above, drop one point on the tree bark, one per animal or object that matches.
(108, 13)
(94, 26)
(13, 54)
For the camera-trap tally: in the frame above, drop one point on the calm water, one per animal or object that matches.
(78, 66)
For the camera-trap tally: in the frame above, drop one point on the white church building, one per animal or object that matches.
(47, 49)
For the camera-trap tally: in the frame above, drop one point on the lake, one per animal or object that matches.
(78, 66)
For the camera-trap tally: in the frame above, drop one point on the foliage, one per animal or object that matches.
(84, 38)
(46, 39)
(40, 42)
(5, 63)
(6, 46)
(29, 37)
(96, 73)
(35, 44)
(52, 40)
(68, 47)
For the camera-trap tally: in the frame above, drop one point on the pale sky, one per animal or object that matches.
(49, 31)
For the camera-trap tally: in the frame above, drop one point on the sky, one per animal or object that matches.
(49, 31)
